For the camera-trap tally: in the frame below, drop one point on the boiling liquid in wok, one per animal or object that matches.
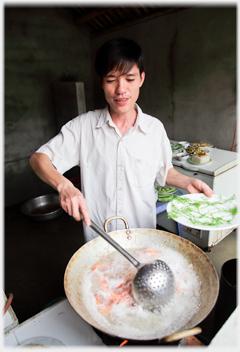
(106, 290)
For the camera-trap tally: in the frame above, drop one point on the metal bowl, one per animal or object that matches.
(43, 208)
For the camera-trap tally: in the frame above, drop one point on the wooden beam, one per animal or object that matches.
(90, 15)
(134, 21)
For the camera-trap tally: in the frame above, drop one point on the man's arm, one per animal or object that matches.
(71, 199)
(192, 185)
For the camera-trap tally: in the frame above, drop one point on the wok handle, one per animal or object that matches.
(115, 218)
(183, 334)
(110, 240)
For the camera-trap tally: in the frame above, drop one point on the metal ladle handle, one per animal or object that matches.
(110, 240)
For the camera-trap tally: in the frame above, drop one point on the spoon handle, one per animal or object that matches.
(110, 240)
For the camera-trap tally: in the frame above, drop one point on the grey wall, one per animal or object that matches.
(190, 80)
(42, 46)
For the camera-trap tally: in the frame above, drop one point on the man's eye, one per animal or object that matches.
(130, 80)
(110, 80)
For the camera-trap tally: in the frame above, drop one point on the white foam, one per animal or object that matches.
(130, 319)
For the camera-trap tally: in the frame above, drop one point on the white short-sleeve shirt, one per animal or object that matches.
(117, 172)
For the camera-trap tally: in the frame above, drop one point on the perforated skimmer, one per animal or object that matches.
(154, 283)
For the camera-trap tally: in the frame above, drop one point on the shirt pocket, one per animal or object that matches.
(143, 171)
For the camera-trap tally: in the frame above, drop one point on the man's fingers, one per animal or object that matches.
(76, 214)
(208, 192)
(86, 217)
(66, 207)
(73, 202)
(198, 186)
(80, 211)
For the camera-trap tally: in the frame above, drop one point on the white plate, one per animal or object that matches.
(181, 219)
(184, 143)
(207, 146)
(191, 162)
(178, 150)
(41, 342)
(210, 146)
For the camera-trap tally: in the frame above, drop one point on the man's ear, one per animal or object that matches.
(142, 78)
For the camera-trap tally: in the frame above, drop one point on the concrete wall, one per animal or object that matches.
(190, 80)
(42, 46)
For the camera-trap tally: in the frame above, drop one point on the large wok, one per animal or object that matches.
(89, 254)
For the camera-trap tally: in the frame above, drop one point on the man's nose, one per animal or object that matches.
(120, 88)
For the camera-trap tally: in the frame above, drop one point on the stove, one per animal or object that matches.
(221, 175)
(109, 340)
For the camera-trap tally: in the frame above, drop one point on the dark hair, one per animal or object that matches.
(119, 54)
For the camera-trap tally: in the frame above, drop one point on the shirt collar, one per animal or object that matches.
(106, 117)
(141, 120)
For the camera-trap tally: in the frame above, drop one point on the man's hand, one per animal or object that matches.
(73, 202)
(197, 186)
(71, 199)
(192, 185)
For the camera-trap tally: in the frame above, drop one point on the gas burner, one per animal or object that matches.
(109, 340)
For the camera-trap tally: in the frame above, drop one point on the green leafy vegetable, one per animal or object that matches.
(166, 189)
(177, 147)
(165, 194)
(166, 198)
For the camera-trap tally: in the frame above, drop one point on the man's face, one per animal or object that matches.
(122, 90)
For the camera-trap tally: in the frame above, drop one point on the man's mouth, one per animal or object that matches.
(123, 99)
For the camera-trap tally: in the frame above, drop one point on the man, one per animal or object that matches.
(120, 150)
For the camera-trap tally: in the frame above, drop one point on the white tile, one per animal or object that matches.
(10, 340)
(60, 322)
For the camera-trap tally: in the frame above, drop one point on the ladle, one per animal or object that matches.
(154, 283)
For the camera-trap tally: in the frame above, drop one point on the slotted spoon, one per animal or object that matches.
(154, 283)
